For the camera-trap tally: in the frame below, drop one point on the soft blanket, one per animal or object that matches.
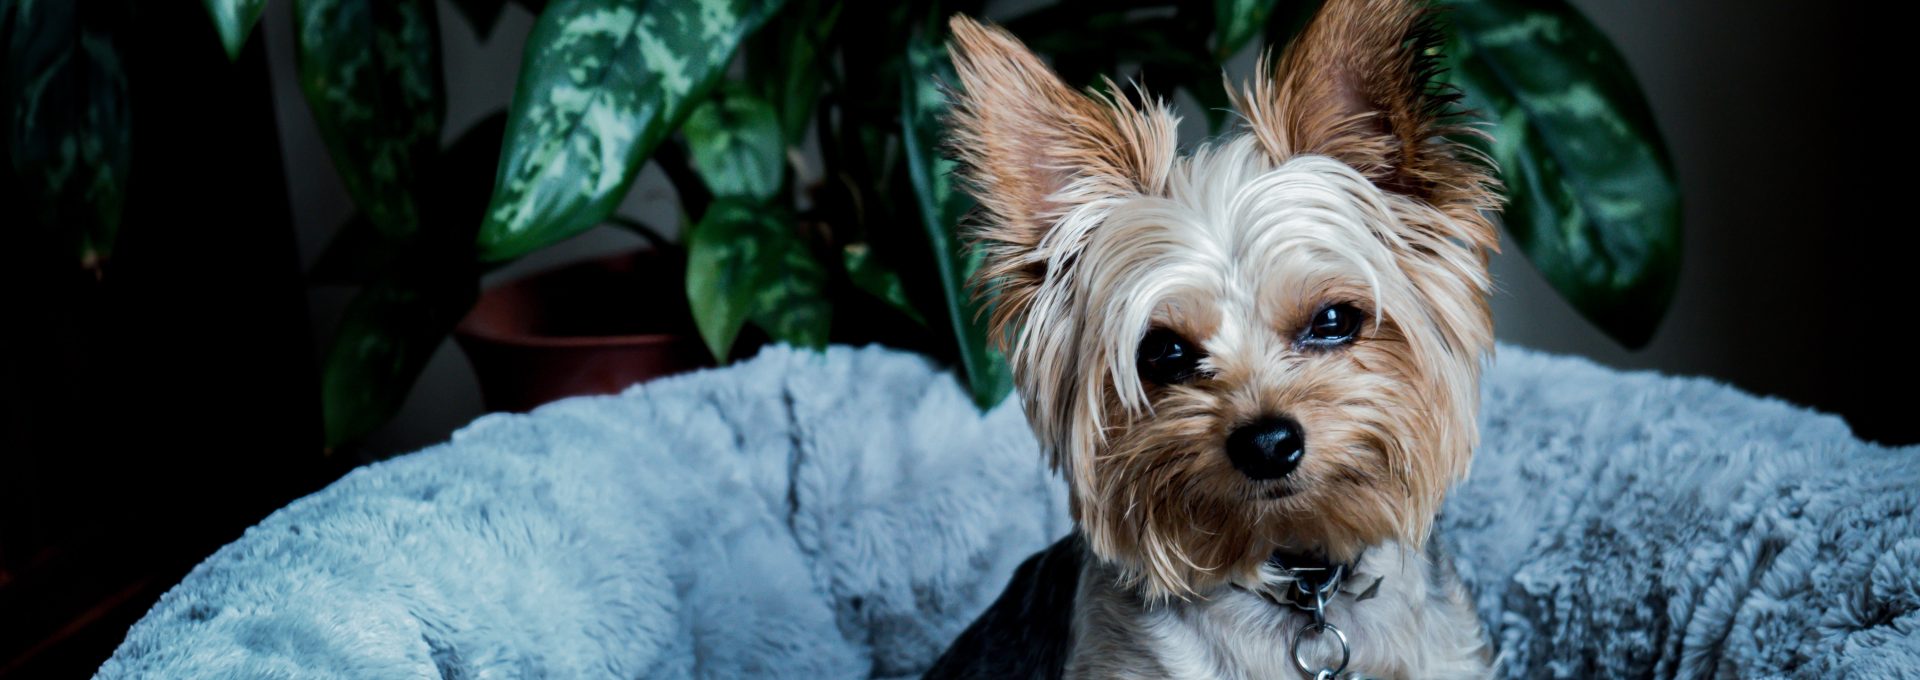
(844, 514)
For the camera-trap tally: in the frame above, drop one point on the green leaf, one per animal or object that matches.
(1592, 198)
(453, 199)
(736, 146)
(390, 330)
(420, 287)
(69, 124)
(371, 73)
(1236, 22)
(743, 263)
(941, 208)
(234, 19)
(790, 302)
(871, 275)
(786, 61)
(603, 81)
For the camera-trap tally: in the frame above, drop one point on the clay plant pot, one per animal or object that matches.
(594, 327)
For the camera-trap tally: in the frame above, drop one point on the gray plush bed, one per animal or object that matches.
(844, 514)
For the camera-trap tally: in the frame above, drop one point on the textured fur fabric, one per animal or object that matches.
(846, 514)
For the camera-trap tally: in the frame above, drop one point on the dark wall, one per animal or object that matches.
(150, 414)
(1790, 144)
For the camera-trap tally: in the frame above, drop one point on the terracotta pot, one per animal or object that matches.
(593, 327)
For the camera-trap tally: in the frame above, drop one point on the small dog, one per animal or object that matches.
(1257, 365)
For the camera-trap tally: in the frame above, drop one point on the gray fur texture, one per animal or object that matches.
(845, 514)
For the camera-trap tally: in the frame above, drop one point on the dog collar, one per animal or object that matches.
(1316, 581)
(1312, 573)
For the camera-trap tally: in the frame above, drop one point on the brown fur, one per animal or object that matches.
(1072, 186)
(1359, 85)
(1021, 134)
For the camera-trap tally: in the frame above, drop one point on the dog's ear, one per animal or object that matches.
(1358, 85)
(1031, 149)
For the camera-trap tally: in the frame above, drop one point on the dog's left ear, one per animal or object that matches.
(1358, 85)
(1032, 149)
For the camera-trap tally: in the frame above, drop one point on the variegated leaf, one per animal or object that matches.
(1592, 198)
(453, 197)
(603, 81)
(743, 263)
(389, 331)
(735, 142)
(786, 62)
(234, 19)
(790, 302)
(371, 73)
(70, 133)
(941, 207)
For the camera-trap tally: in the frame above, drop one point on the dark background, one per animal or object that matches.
(148, 418)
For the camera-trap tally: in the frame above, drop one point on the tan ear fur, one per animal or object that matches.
(1359, 85)
(1032, 148)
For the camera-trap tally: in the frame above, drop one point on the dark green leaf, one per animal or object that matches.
(482, 15)
(871, 275)
(735, 141)
(1235, 22)
(421, 286)
(603, 81)
(371, 73)
(785, 60)
(235, 19)
(390, 330)
(790, 302)
(941, 208)
(454, 198)
(1592, 196)
(69, 132)
(720, 281)
(743, 263)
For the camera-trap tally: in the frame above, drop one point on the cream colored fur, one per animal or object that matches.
(1418, 624)
(1341, 191)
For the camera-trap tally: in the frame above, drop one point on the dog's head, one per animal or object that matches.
(1274, 342)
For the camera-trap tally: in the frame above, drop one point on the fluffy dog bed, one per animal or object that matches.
(844, 514)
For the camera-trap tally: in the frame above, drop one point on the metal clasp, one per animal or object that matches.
(1318, 597)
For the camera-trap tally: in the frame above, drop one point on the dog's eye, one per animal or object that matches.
(1168, 359)
(1334, 325)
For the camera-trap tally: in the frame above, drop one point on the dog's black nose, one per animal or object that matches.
(1269, 448)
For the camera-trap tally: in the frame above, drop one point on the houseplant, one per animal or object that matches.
(862, 243)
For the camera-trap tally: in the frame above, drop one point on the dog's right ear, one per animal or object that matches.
(1032, 149)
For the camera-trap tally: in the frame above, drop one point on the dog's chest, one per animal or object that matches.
(1409, 627)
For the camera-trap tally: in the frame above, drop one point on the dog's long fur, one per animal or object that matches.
(1343, 189)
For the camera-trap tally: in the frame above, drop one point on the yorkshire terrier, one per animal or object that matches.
(1257, 365)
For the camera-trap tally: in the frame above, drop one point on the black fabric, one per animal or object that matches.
(1028, 631)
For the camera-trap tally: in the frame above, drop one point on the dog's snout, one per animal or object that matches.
(1269, 448)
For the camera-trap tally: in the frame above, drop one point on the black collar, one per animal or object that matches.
(1312, 572)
